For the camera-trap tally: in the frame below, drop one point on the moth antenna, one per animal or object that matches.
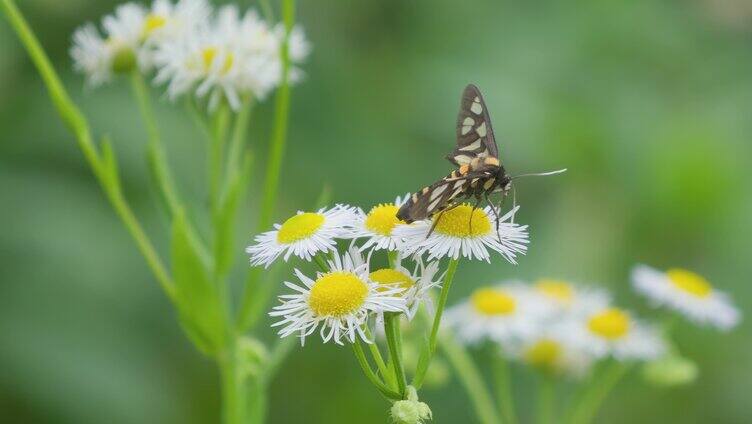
(541, 174)
(514, 200)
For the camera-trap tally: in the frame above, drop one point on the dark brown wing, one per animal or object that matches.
(436, 197)
(475, 136)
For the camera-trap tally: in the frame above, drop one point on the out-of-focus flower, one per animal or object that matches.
(569, 298)
(467, 232)
(339, 301)
(550, 350)
(614, 332)
(688, 293)
(167, 22)
(99, 58)
(503, 313)
(303, 235)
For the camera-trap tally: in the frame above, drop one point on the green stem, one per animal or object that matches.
(76, 122)
(380, 364)
(252, 301)
(372, 377)
(394, 343)
(237, 141)
(504, 390)
(546, 399)
(430, 348)
(279, 132)
(155, 149)
(321, 262)
(216, 152)
(470, 378)
(233, 393)
(595, 393)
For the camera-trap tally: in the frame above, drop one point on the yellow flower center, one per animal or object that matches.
(337, 293)
(544, 353)
(457, 223)
(555, 289)
(611, 323)
(299, 227)
(388, 276)
(493, 302)
(690, 282)
(153, 22)
(210, 53)
(382, 219)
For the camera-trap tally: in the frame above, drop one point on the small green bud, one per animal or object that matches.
(671, 370)
(411, 410)
(251, 355)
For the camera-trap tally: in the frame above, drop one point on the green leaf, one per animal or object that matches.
(198, 301)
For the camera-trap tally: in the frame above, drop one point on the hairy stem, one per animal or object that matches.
(155, 149)
(471, 378)
(394, 343)
(596, 392)
(504, 389)
(430, 348)
(372, 377)
(103, 170)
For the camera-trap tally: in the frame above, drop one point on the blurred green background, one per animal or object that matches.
(648, 103)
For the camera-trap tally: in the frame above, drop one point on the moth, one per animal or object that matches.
(479, 174)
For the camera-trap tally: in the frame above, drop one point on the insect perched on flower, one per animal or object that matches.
(480, 172)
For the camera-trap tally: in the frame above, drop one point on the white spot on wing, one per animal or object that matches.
(433, 205)
(476, 108)
(472, 146)
(481, 130)
(467, 125)
(459, 184)
(462, 159)
(438, 190)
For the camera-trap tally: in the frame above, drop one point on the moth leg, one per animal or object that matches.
(472, 212)
(496, 212)
(436, 221)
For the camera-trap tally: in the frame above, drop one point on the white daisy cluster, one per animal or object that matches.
(190, 48)
(688, 293)
(553, 325)
(403, 285)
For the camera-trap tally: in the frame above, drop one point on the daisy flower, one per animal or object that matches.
(688, 293)
(612, 331)
(206, 61)
(502, 313)
(99, 58)
(467, 232)
(92, 55)
(550, 350)
(166, 22)
(416, 284)
(229, 57)
(339, 302)
(378, 225)
(570, 298)
(303, 235)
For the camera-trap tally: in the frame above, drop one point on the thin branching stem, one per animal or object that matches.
(104, 170)
(372, 377)
(430, 348)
